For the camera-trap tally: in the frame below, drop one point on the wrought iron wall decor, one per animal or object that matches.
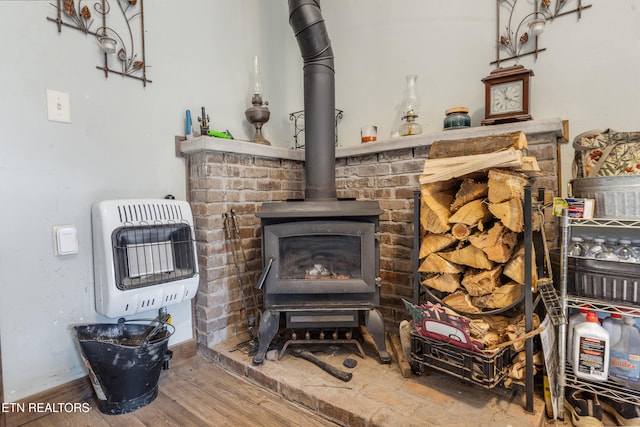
(519, 35)
(129, 50)
(298, 127)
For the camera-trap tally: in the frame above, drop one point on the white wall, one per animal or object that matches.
(120, 141)
(120, 144)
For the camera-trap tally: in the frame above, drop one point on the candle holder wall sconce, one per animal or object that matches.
(298, 127)
(127, 50)
(519, 28)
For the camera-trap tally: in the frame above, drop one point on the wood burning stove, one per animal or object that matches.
(321, 268)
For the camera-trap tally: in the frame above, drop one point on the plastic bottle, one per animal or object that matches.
(625, 355)
(575, 319)
(608, 250)
(577, 247)
(613, 325)
(591, 350)
(635, 248)
(624, 251)
(595, 248)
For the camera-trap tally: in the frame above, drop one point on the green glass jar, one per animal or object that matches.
(457, 118)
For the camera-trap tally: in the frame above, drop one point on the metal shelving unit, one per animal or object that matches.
(566, 378)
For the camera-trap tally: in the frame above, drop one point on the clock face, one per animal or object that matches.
(506, 97)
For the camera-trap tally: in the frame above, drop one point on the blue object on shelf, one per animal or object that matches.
(188, 125)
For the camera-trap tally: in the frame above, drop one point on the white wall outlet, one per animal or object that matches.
(58, 106)
(65, 239)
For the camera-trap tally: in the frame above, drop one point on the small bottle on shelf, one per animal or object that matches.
(635, 248)
(624, 251)
(577, 247)
(608, 250)
(595, 248)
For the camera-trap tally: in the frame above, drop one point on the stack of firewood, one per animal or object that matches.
(472, 222)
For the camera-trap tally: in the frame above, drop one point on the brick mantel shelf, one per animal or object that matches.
(230, 175)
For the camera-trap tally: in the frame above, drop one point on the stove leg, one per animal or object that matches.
(269, 325)
(375, 326)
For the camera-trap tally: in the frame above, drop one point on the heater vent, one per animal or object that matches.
(147, 304)
(149, 212)
(171, 298)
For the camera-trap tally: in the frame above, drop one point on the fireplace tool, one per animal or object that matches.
(232, 234)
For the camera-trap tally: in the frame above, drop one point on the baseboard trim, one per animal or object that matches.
(79, 390)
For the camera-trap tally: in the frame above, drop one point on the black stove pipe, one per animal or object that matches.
(308, 26)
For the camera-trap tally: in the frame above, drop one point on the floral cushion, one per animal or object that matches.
(607, 153)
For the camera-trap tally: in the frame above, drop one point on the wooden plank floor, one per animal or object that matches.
(196, 392)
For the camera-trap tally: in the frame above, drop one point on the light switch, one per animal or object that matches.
(58, 106)
(65, 239)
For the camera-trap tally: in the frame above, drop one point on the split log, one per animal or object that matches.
(443, 282)
(498, 323)
(460, 302)
(469, 190)
(505, 185)
(498, 242)
(478, 328)
(514, 269)
(434, 220)
(478, 283)
(460, 231)
(481, 330)
(510, 213)
(490, 339)
(434, 208)
(516, 330)
(472, 213)
(432, 243)
(469, 256)
(436, 170)
(501, 297)
(530, 164)
(434, 263)
(517, 370)
(477, 145)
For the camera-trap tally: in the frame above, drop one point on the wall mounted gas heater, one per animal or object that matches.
(144, 255)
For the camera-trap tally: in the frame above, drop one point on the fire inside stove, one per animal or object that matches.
(327, 257)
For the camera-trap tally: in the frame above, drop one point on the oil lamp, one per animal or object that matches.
(410, 105)
(258, 114)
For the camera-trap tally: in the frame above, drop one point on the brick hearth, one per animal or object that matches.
(226, 175)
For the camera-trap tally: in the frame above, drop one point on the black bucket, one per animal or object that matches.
(124, 361)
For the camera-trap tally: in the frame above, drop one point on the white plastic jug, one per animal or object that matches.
(591, 350)
(613, 325)
(625, 355)
(574, 320)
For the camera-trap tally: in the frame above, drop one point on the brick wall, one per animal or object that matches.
(223, 182)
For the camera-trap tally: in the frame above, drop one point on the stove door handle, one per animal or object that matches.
(265, 273)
